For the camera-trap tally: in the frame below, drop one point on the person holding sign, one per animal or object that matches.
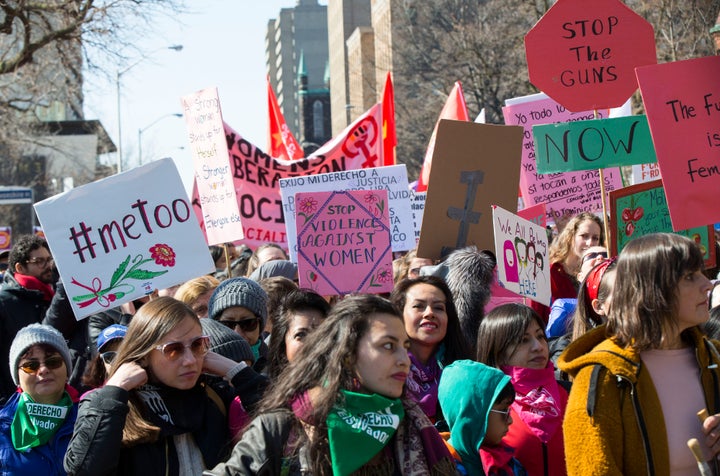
(156, 414)
(338, 408)
(436, 340)
(581, 232)
(512, 338)
(641, 379)
(37, 422)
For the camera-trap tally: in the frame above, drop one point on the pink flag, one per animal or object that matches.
(454, 108)
(281, 142)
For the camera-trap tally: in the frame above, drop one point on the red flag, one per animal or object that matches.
(388, 112)
(281, 142)
(454, 108)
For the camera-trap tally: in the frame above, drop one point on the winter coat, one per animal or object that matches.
(614, 422)
(45, 460)
(19, 307)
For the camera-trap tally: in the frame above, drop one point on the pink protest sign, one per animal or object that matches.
(564, 193)
(682, 101)
(583, 54)
(344, 242)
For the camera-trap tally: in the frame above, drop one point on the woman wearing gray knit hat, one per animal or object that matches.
(37, 422)
(241, 305)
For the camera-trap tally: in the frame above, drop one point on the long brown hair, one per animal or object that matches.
(149, 325)
(561, 247)
(501, 332)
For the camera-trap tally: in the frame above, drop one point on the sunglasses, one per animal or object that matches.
(31, 367)
(596, 254)
(108, 357)
(504, 413)
(247, 325)
(174, 350)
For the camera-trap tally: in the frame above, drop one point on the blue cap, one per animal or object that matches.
(115, 331)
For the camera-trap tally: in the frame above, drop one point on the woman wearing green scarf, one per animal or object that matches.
(339, 407)
(37, 422)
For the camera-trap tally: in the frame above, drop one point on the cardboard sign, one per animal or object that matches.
(418, 208)
(595, 144)
(522, 248)
(682, 102)
(584, 54)
(475, 166)
(642, 209)
(393, 179)
(256, 175)
(344, 241)
(124, 236)
(212, 167)
(567, 193)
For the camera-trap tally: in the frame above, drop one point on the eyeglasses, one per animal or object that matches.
(595, 254)
(42, 262)
(247, 325)
(31, 367)
(504, 413)
(108, 357)
(174, 350)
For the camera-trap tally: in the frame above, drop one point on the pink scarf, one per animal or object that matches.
(539, 401)
(31, 282)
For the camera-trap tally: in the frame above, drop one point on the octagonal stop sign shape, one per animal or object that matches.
(583, 54)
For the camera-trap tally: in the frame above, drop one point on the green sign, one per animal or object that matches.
(642, 209)
(594, 144)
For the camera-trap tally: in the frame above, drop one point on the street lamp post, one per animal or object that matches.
(143, 129)
(118, 76)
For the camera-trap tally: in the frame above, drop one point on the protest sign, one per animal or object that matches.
(593, 144)
(213, 176)
(392, 178)
(122, 237)
(642, 209)
(682, 103)
(344, 241)
(418, 209)
(256, 175)
(566, 193)
(522, 250)
(535, 214)
(583, 54)
(5, 237)
(642, 173)
(480, 167)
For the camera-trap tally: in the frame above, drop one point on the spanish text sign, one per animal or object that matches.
(344, 241)
(122, 237)
(594, 144)
(522, 250)
(391, 178)
(682, 102)
(211, 160)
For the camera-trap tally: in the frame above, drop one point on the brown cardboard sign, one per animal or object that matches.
(475, 166)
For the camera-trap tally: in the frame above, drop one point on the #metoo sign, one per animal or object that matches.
(123, 237)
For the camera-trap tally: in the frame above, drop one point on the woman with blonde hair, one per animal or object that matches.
(196, 293)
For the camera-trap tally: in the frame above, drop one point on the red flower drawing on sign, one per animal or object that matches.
(163, 255)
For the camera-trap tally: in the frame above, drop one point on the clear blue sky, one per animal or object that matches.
(223, 46)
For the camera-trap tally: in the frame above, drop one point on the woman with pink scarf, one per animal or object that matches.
(512, 338)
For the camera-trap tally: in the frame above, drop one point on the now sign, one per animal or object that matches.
(594, 144)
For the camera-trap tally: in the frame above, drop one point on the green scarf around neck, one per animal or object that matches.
(361, 428)
(35, 423)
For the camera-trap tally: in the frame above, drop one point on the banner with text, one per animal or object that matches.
(391, 178)
(344, 241)
(645, 173)
(213, 177)
(124, 236)
(256, 175)
(682, 103)
(642, 209)
(563, 194)
(522, 251)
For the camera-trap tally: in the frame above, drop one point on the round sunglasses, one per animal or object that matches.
(31, 367)
(246, 325)
(174, 350)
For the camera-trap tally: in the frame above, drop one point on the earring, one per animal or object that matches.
(356, 384)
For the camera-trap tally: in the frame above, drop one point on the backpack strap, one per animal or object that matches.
(216, 399)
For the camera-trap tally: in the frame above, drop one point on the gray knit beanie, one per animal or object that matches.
(226, 342)
(242, 292)
(37, 334)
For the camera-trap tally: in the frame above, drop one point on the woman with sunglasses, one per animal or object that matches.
(156, 415)
(99, 367)
(350, 375)
(37, 422)
(241, 305)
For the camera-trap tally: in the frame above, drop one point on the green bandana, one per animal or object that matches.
(359, 429)
(35, 423)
